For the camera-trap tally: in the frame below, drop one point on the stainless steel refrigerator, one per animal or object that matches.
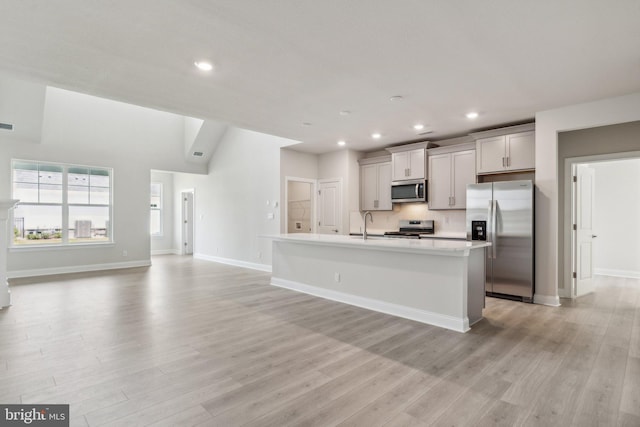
(502, 213)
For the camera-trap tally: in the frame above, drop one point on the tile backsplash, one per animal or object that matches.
(445, 221)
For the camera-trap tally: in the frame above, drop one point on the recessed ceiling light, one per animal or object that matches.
(342, 143)
(376, 135)
(418, 126)
(396, 98)
(345, 112)
(472, 115)
(203, 65)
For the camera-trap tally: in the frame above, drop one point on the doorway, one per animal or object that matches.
(602, 233)
(187, 198)
(300, 202)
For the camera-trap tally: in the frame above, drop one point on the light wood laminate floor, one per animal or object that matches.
(189, 342)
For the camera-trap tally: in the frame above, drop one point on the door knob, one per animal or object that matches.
(594, 236)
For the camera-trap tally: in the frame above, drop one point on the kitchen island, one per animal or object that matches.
(438, 282)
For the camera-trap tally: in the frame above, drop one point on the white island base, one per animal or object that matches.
(436, 282)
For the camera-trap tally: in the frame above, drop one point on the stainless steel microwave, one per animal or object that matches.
(414, 190)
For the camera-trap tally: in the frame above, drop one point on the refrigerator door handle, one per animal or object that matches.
(494, 228)
(490, 227)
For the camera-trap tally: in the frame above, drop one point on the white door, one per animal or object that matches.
(329, 206)
(583, 230)
(187, 223)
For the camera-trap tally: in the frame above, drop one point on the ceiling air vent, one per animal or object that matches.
(198, 154)
(6, 126)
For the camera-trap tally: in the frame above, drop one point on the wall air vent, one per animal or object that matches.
(198, 154)
(6, 126)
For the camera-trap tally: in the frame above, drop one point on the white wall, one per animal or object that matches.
(548, 125)
(165, 244)
(233, 201)
(617, 218)
(86, 130)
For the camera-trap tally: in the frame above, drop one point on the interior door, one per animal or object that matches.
(329, 207)
(187, 223)
(583, 230)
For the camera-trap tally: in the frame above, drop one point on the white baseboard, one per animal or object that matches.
(75, 269)
(166, 252)
(630, 274)
(564, 293)
(234, 262)
(423, 316)
(553, 301)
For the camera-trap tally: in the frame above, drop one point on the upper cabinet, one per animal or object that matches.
(451, 169)
(375, 184)
(505, 150)
(408, 161)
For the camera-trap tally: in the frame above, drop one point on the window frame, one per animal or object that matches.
(65, 205)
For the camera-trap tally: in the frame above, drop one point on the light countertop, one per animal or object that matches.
(437, 235)
(426, 246)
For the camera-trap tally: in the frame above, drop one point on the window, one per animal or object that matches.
(61, 204)
(156, 209)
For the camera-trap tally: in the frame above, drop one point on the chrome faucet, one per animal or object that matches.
(364, 218)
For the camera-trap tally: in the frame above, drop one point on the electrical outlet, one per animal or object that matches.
(336, 277)
(125, 253)
(259, 255)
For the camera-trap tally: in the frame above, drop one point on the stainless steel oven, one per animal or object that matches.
(409, 191)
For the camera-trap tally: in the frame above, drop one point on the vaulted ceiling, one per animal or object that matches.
(289, 67)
